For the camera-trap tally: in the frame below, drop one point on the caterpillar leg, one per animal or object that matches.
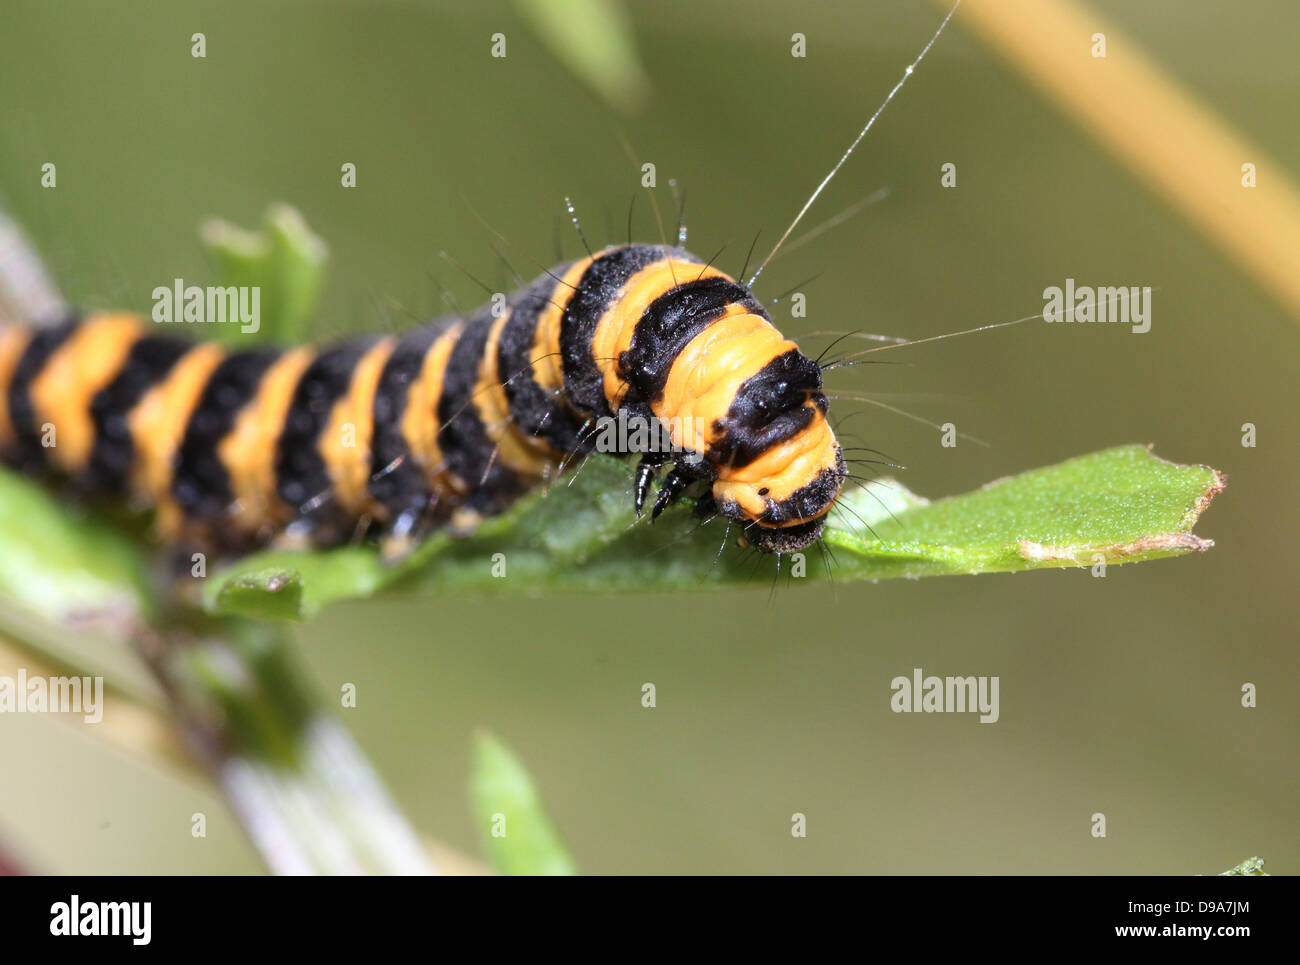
(669, 491)
(407, 531)
(707, 507)
(645, 473)
(300, 535)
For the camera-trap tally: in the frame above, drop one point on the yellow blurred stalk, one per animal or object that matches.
(1189, 156)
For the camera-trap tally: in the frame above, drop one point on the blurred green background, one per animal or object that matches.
(1119, 695)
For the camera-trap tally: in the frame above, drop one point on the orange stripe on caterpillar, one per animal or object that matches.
(527, 455)
(420, 426)
(158, 424)
(248, 450)
(345, 442)
(61, 393)
(13, 342)
(615, 329)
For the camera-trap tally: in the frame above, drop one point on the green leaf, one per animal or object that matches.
(270, 592)
(63, 566)
(503, 799)
(1120, 505)
(594, 40)
(283, 260)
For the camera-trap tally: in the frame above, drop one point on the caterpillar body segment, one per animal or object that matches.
(445, 424)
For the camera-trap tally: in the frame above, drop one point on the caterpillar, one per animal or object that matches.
(447, 424)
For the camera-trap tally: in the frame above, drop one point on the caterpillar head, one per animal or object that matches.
(779, 467)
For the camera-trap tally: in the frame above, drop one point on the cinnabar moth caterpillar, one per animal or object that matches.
(449, 423)
(452, 421)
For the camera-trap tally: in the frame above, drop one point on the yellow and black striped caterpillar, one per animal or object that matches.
(448, 423)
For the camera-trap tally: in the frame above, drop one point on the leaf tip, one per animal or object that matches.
(1219, 484)
(271, 592)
